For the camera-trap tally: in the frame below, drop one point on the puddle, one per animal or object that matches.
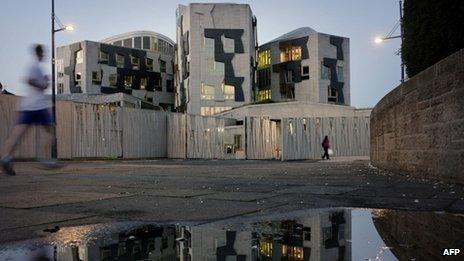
(319, 234)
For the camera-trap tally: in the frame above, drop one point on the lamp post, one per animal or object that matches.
(379, 40)
(53, 31)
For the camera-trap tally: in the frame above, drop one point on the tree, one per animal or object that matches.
(433, 30)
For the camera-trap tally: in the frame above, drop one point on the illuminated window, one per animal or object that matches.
(265, 247)
(127, 81)
(229, 92)
(149, 63)
(264, 58)
(135, 61)
(292, 252)
(143, 83)
(119, 60)
(79, 56)
(290, 53)
(332, 94)
(207, 92)
(113, 79)
(264, 95)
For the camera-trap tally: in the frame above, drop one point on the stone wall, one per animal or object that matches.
(418, 128)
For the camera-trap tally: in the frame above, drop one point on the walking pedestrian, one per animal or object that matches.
(326, 147)
(34, 109)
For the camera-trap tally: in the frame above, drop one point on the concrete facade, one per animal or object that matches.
(137, 63)
(305, 65)
(418, 128)
(216, 55)
(277, 111)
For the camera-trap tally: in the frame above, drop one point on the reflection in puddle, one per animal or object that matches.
(320, 234)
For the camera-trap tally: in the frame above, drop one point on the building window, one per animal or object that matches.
(287, 76)
(305, 73)
(78, 79)
(79, 56)
(103, 57)
(154, 44)
(207, 92)
(149, 63)
(143, 83)
(169, 85)
(135, 62)
(264, 78)
(307, 234)
(264, 58)
(127, 43)
(138, 43)
(158, 85)
(113, 79)
(162, 66)
(325, 72)
(290, 53)
(96, 78)
(208, 111)
(146, 42)
(264, 95)
(127, 81)
(60, 88)
(340, 73)
(120, 60)
(332, 94)
(237, 142)
(228, 92)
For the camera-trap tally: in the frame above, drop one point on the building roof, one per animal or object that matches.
(297, 33)
(132, 34)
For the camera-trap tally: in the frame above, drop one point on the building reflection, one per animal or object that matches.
(322, 236)
(145, 243)
(318, 236)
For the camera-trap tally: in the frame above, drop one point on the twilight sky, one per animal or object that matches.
(375, 69)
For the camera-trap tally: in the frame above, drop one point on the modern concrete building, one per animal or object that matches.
(138, 63)
(216, 57)
(305, 65)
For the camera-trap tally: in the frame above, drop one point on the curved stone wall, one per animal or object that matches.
(418, 128)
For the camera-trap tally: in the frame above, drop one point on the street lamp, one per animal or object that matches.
(379, 40)
(53, 31)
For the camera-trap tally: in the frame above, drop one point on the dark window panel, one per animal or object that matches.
(146, 43)
(138, 42)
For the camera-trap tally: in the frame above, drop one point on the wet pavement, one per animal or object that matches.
(316, 234)
(203, 192)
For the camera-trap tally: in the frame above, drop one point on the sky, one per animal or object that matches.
(375, 69)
